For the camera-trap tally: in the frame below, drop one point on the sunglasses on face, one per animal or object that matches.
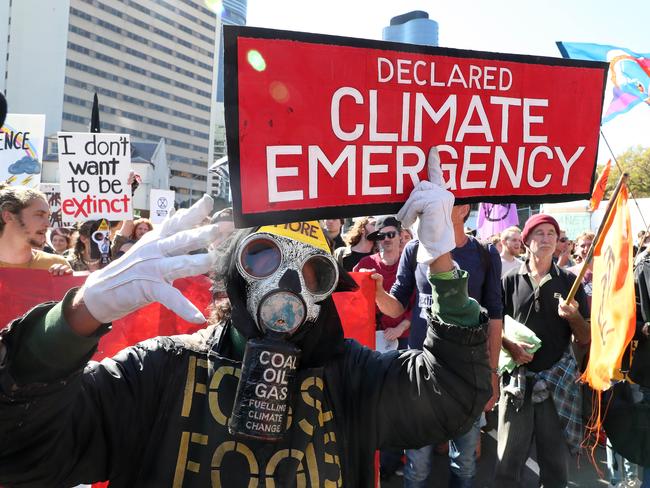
(563, 239)
(383, 235)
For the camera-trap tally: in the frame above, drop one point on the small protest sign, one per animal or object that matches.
(322, 126)
(21, 149)
(94, 169)
(53, 193)
(161, 202)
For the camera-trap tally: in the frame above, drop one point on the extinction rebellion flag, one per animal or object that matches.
(612, 326)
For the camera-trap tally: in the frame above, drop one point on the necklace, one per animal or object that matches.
(90, 262)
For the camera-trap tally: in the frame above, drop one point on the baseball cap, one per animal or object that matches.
(383, 222)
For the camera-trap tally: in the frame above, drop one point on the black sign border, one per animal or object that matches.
(231, 99)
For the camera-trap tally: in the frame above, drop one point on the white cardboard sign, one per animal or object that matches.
(94, 169)
(161, 202)
(21, 149)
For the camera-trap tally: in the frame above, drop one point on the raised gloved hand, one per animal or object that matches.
(145, 273)
(431, 204)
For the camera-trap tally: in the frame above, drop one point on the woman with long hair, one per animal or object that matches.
(140, 227)
(358, 246)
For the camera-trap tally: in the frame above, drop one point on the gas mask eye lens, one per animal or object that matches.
(320, 275)
(260, 258)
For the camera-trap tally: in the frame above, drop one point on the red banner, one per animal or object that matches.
(357, 310)
(22, 289)
(318, 122)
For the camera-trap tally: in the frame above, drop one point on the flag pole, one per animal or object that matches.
(94, 117)
(610, 205)
(646, 225)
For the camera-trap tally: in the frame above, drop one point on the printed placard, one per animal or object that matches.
(21, 149)
(94, 169)
(161, 202)
(321, 126)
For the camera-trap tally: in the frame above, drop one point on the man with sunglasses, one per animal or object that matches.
(562, 254)
(385, 263)
(272, 394)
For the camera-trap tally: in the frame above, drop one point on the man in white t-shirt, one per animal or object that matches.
(510, 249)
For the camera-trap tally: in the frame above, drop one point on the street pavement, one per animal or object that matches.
(582, 472)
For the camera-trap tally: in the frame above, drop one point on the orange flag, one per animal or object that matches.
(599, 189)
(613, 308)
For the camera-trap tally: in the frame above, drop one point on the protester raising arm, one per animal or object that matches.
(127, 230)
(134, 420)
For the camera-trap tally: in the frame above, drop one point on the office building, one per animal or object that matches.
(152, 63)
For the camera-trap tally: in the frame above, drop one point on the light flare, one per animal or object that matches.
(256, 60)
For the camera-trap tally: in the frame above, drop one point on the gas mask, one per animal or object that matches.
(288, 270)
(102, 248)
(286, 279)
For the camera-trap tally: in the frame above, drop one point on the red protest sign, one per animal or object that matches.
(320, 126)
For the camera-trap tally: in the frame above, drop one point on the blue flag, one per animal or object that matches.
(629, 73)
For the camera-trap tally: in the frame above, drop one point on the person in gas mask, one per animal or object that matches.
(92, 249)
(272, 395)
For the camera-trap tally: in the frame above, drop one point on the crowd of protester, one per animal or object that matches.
(518, 273)
(506, 274)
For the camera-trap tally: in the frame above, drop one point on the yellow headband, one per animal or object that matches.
(306, 232)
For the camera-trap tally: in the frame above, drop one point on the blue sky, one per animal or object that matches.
(512, 26)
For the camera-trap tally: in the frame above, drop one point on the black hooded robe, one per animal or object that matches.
(156, 414)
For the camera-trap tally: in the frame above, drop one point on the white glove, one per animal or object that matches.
(432, 204)
(145, 273)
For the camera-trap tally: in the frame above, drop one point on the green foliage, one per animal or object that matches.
(636, 163)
